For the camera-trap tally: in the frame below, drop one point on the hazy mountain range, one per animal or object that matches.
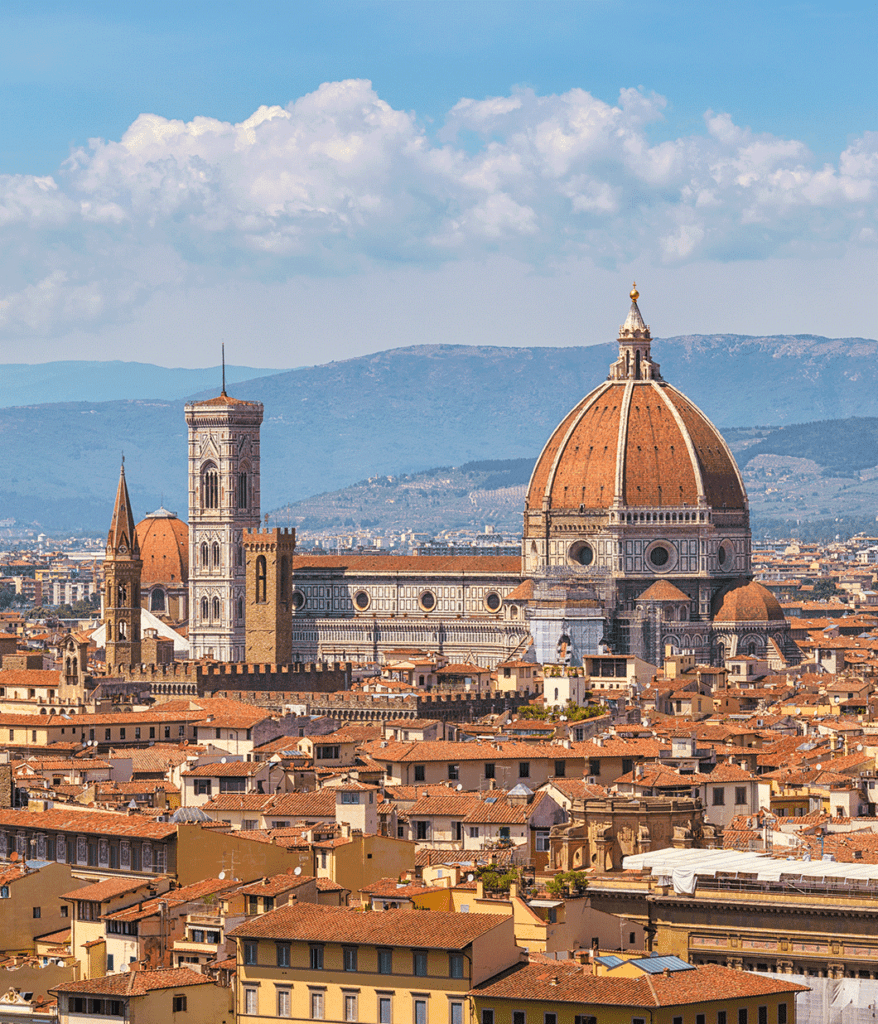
(407, 410)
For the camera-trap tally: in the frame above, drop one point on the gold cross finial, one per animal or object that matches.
(634, 293)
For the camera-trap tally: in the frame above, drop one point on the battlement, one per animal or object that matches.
(263, 539)
(200, 679)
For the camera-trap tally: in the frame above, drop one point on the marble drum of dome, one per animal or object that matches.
(637, 484)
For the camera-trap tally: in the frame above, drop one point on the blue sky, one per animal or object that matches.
(507, 170)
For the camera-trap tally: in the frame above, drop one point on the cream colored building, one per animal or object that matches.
(406, 967)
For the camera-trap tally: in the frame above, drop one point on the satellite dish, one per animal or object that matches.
(470, 877)
(859, 746)
(297, 872)
(222, 760)
(459, 786)
(222, 874)
(819, 767)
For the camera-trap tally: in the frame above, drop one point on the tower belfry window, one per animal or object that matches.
(216, 609)
(210, 487)
(261, 579)
(215, 555)
(242, 490)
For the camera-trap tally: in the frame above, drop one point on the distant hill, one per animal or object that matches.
(404, 411)
(83, 381)
(798, 474)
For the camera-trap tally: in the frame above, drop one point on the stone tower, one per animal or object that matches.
(122, 568)
(269, 556)
(223, 502)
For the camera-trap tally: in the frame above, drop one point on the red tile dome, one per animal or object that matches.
(746, 601)
(164, 549)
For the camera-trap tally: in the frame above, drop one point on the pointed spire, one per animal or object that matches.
(635, 358)
(224, 371)
(634, 321)
(122, 539)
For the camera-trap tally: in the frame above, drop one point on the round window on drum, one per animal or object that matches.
(362, 600)
(427, 600)
(493, 601)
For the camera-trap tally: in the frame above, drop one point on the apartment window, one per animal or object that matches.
(422, 829)
(282, 954)
(250, 1000)
(420, 773)
(317, 958)
(719, 797)
(550, 1018)
(316, 1006)
(742, 1015)
(504, 832)
(585, 1019)
(560, 769)
(350, 1006)
(541, 841)
(524, 769)
(594, 766)
(721, 1017)
(350, 798)
(152, 732)
(781, 1013)
(384, 1012)
(37, 911)
(167, 732)
(762, 1015)
(453, 772)
(700, 1018)
(457, 831)
(740, 794)
(283, 1002)
(455, 1013)
(487, 1017)
(455, 965)
(250, 949)
(137, 732)
(420, 1011)
(677, 1020)
(519, 1017)
(490, 771)
(107, 734)
(419, 963)
(121, 734)
(111, 962)
(232, 785)
(349, 954)
(627, 765)
(178, 1004)
(202, 787)
(385, 961)
(474, 831)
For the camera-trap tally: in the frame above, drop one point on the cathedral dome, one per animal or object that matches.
(635, 442)
(164, 548)
(746, 601)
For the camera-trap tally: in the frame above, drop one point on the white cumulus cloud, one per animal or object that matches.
(338, 181)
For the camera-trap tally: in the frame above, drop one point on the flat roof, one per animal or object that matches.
(710, 863)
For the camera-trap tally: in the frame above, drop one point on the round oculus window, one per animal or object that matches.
(427, 600)
(493, 602)
(298, 599)
(362, 600)
(659, 556)
(721, 555)
(585, 554)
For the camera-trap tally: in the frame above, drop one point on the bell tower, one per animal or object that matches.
(223, 503)
(122, 568)
(269, 557)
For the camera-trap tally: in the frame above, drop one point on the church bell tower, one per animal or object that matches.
(223, 503)
(122, 569)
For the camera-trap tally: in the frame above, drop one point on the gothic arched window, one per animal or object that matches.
(122, 592)
(215, 555)
(122, 632)
(216, 608)
(204, 557)
(261, 579)
(243, 490)
(240, 608)
(209, 486)
(157, 601)
(204, 609)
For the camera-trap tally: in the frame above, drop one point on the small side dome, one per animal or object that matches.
(188, 816)
(164, 549)
(746, 601)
